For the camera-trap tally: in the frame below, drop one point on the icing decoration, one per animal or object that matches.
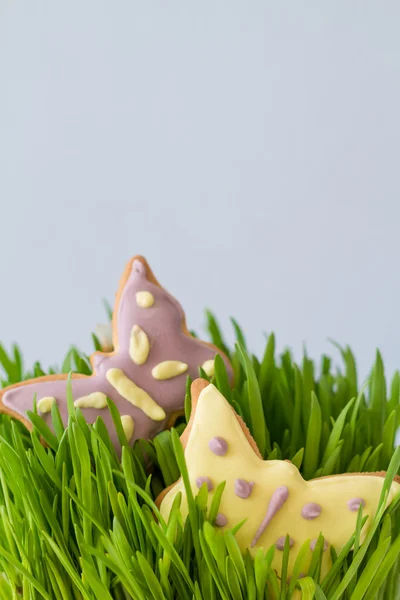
(278, 499)
(243, 488)
(169, 369)
(139, 346)
(218, 445)
(144, 299)
(278, 486)
(45, 404)
(313, 543)
(94, 400)
(134, 394)
(208, 367)
(206, 480)
(311, 511)
(221, 520)
(280, 543)
(128, 426)
(355, 503)
(168, 337)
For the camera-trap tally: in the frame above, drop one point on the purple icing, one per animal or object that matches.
(355, 503)
(313, 543)
(218, 445)
(280, 543)
(311, 511)
(221, 520)
(206, 480)
(276, 502)
(163, 325)
(243, 488)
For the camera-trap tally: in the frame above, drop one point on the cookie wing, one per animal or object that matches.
(90, 395)
(152, 344)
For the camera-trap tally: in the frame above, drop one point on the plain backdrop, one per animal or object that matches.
(250, 150)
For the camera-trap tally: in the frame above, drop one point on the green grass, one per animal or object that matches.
(77, 521)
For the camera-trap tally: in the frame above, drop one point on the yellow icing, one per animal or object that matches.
(144, 299)
(134, 394)
(169, 369)
(215, 418)
(208, 367)
(128, 425)
(45, 404)
(139, 346)
(95, 400)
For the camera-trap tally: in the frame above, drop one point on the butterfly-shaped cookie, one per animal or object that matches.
(146, 373)
(270, 497)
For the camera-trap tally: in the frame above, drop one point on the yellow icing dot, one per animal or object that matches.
(208, 367)
(134, 394)
(144, 299)
(128, 425)
(95, 400)
(139, 346)
(169, 369)
(45, 404)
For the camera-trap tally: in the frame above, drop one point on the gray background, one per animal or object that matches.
(249, 149)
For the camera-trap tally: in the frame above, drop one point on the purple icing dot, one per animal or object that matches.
(313, 543)
(355, 503)
(221, 520)
(218, 445)
(280, 543)
(311, 511)
(206, 480)
(243, 488)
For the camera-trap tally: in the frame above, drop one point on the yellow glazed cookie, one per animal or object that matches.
(271, 496)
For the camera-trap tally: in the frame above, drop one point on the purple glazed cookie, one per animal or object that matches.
(145, 375)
